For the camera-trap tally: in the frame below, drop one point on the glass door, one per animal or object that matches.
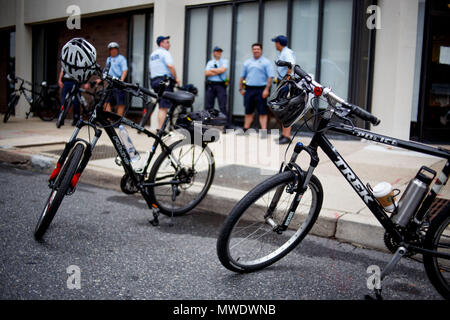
(436, 103)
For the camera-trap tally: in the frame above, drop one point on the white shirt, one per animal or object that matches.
(285, 55)
(159, 60)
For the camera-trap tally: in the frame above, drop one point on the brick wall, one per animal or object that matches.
(99, 31)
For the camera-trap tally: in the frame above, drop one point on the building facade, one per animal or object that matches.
(389, 56)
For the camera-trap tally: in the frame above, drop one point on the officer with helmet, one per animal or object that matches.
(119, 69)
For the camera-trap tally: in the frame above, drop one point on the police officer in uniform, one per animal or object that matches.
(161, 65)
(216, 81)
(258, 74)
(119, 69)
(285, 54)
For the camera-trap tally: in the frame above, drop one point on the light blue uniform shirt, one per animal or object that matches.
(257, 71)
(214, 64)
(285, 55)
(118, 65)
(159, 60)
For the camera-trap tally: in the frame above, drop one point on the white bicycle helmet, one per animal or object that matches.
(112, 45)
(78, 59)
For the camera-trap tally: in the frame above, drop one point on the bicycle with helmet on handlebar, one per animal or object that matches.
(275, 216)
(177, 181)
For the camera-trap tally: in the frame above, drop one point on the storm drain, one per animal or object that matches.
(100, 152)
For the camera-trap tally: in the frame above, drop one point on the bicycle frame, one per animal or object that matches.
(319, 139)
(106, 119)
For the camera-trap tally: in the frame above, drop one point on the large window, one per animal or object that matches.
(246, 35)
(329, 39)
(197, 31)
(140, 38)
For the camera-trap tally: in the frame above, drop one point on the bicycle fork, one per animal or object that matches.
(89, 147)
(300, 177)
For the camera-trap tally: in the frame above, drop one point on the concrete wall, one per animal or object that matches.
(7, 14)
(393, 82)
(24, 49)
(48, 10)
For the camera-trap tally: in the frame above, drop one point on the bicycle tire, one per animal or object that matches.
(275, 182)
(47, 109)
(157, 194)
(59, 191)
(11, 106)
(438, 225)
(63, 114)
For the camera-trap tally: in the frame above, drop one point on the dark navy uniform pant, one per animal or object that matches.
(155, 83)
(218, 90)
(253, 100)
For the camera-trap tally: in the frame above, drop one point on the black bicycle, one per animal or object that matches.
(45, 105)
(86, 108)
(275, 216)
(178, 180)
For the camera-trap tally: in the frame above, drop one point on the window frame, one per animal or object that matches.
(355, 45)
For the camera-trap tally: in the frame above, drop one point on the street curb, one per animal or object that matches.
(359, 230)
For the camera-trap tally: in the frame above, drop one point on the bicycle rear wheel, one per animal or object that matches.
(59, 191)
(47, 109)
(11, 106)
(247, 242)
(190, 164)
(438, 239)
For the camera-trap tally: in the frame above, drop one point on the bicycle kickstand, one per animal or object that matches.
(155, 221)
(399, 253)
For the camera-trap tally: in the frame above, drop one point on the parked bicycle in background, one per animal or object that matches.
(45, 104)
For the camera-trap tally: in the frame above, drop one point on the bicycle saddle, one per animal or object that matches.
(180, 97)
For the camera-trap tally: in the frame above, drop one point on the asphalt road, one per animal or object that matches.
(121, 256)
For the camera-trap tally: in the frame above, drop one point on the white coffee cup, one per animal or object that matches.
(385, 195)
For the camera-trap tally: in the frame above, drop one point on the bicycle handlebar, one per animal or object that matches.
(354, 109)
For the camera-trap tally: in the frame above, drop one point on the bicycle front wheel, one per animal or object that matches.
(191, 169)
(47, 109)
(438, 239)
(59, 191)
(247, 242)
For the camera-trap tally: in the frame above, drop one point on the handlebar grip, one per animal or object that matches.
(364, 115)
(148, 92)
(300, 72)
(282, 63)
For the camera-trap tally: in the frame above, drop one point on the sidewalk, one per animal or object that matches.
(241, 163)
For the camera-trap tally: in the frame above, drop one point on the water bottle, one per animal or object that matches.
(132, 152)
(413, 196)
